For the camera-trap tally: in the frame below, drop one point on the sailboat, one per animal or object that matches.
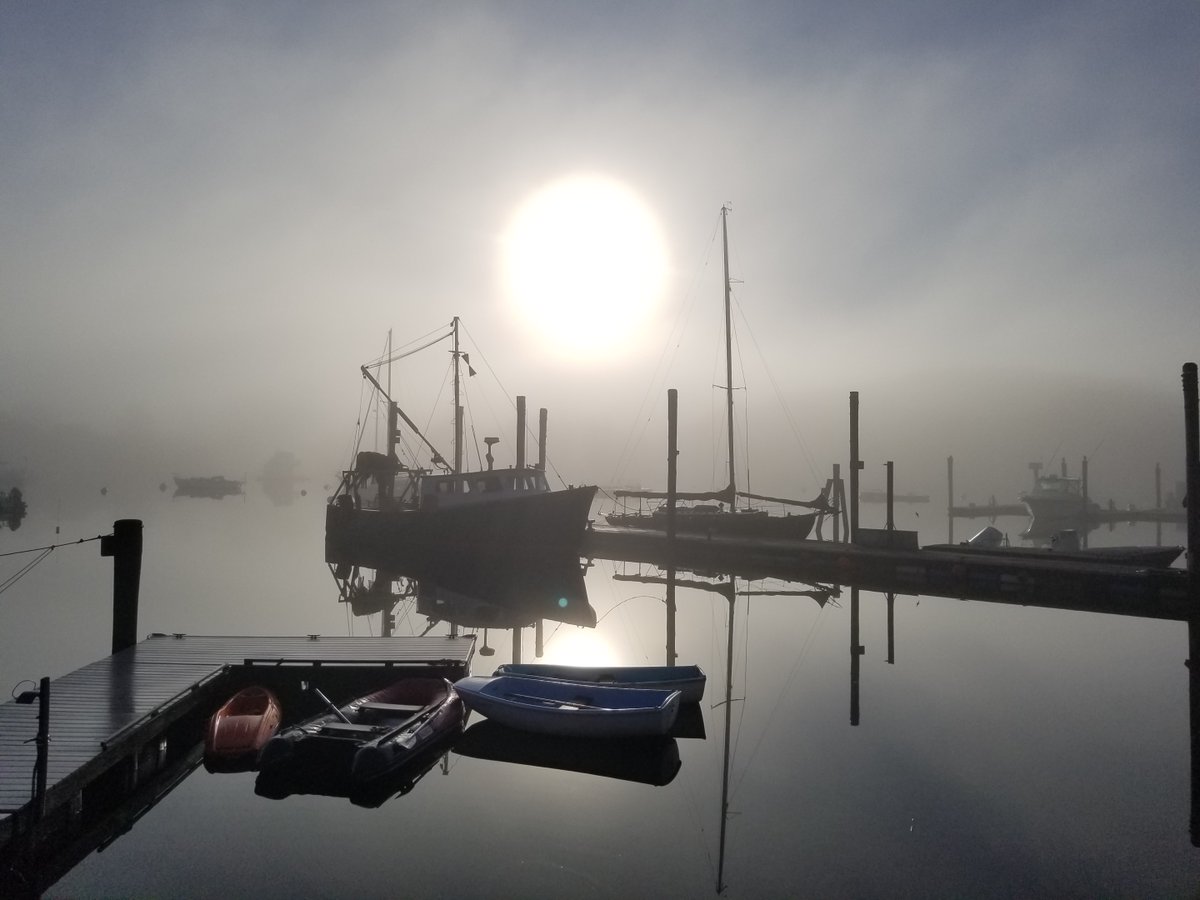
(717, 513)
(385, 512)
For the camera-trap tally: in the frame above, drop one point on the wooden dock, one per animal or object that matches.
(1103, 588)
(125, 728)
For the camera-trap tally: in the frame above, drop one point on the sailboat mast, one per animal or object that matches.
(458, 423)
(728, 722)
(728, 357)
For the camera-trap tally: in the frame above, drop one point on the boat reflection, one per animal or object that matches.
(317, 778)
(651, 760)
(472, 596)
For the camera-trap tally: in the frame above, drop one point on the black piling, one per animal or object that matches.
(520, 432)
(855, 465)
(891, 525)
(950, 499)
(1191, 429)
(124, 545)
(542, 416)
(672, 472)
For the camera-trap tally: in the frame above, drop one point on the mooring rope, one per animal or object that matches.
(42, 552)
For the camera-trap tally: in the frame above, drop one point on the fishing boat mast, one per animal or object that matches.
(728, 357)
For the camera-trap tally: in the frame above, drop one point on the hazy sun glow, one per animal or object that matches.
(584, 265)
(579, 647)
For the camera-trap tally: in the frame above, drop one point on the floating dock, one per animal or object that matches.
(1053, 584)
(125, 729)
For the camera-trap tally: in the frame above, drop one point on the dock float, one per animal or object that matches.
(1052, 584)
(122, 731)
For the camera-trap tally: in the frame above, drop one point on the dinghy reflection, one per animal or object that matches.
(652, 760)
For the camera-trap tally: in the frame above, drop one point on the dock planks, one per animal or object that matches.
(96, 710)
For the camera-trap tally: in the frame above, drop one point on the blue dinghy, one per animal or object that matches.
(570, 708)
(688, 680)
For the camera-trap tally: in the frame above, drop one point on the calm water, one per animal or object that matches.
(1007, 752)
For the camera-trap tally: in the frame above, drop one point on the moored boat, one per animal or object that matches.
(388, 512)
(1064, 545)
(569, 708)
(240, 728)
(720, 513)
(372, 735)
(688, 680)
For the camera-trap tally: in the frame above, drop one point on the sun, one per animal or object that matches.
(584, 266)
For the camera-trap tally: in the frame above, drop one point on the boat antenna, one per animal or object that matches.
(728, 356)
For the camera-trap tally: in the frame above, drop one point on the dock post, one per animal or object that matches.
(516, 645)
(542, 414)
(855, 465)
(837, 497)
(950, 499)
(1158, 504)
(672, 473)
(1191, 428)
(890, 526)
(520, 432)
(42, 742)
(124, 545)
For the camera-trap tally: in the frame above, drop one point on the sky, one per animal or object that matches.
(981, 219)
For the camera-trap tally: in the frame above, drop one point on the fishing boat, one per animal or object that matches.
(649, 760)
(1058, 497)
(238, 730)
(570, 709)
(370, 736)
(385, 512)
(720, 513)
(1064, 545)
(688, 680)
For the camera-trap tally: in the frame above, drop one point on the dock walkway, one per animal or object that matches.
(125, 717)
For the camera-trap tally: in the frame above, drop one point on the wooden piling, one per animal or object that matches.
(855, 465)
(124, 545)
(520, 432)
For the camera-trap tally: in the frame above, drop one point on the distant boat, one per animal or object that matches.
(238, 730)
(714, 513)
(688, 680)
(649, 760)
(1058, 497)
(1063, 546)
(384, 511)
(213, 486)
(370, 736)
(570, 709)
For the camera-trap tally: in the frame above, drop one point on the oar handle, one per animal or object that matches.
(550, 702)
(337, 712)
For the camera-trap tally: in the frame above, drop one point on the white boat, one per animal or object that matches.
(688, 680)
(569, 708)
(720, 513)
(1058, 497)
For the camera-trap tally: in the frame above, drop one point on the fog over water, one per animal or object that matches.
(977, 219)
(981, 220)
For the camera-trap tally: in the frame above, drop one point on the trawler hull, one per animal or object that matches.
(530, 526)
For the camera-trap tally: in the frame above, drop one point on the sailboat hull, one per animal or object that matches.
(531, 526)
(723, 524)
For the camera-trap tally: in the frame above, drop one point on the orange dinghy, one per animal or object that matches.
(238, 730)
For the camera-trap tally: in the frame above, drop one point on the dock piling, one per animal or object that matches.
(124, 545)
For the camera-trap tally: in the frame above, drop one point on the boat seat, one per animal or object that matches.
(346, 729)
(373, 710)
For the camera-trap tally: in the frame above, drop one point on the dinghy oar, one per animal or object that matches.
(337, 712)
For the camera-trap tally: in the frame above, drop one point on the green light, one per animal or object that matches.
(562, 602)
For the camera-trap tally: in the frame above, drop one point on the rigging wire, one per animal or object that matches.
(42, 552)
